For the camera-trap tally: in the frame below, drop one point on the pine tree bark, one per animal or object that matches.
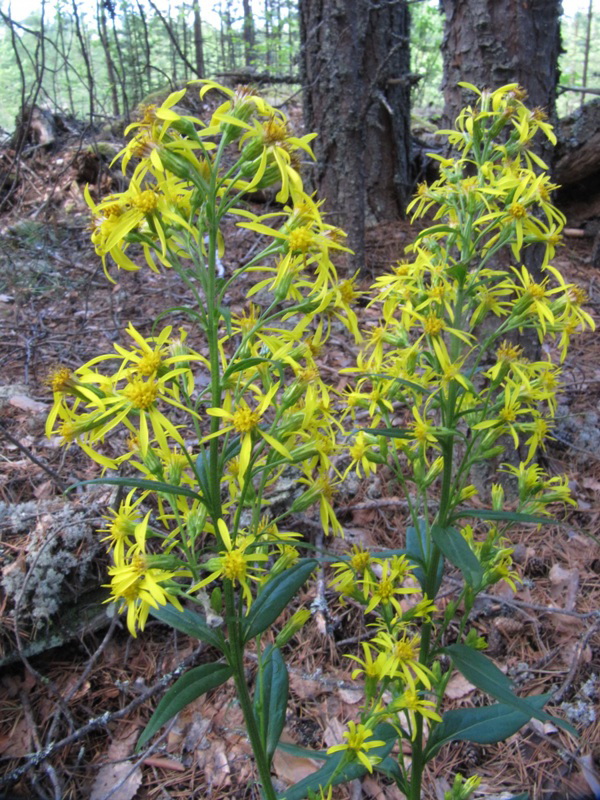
(198, 41)
(248, 34)
(490, 43)
(355, 67)
(110, 64)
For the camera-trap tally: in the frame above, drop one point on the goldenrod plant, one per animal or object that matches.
(444, 385)
(207, 418)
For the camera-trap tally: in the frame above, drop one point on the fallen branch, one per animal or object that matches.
(35, 759)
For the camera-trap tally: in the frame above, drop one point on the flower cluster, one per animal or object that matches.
(461, 366)
(209, 429)
(445, 366)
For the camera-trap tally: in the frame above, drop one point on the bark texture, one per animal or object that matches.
(355, 69)
(494, 42)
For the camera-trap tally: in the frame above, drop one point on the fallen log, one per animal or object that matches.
(578, 148)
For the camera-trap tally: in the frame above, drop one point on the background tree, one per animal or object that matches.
(494, 42)
(355, 70)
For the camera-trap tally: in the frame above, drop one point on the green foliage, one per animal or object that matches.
(574, 30)
(426, 29)
(184, 691)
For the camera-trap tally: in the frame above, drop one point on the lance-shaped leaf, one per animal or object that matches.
(271, 697)
(190, 623)
(416, 551)
(485, 675)
(457, 551)
(501, 516)
(390, 433)
(184, 691)
(141, 483)
(486, 725)
(351, 772)
(275, 596)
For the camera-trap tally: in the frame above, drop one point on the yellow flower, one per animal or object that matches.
(122, 525)
(402, 654)
(235, 563)
(355, 572)
(373, 670)
(423, 432)
(386, 592)
(245, 421)
(357, 746)
(136, 585)
(359, 452)
(410, 703)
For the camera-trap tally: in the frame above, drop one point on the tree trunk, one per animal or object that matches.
(147, 52)
(249, 55)
(490, 43)
(110, 65)
(198, 41)
(87, 61)
(355, 66)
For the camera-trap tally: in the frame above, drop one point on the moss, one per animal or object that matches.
(54, 558)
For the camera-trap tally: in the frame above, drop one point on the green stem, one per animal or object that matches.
(236, 663)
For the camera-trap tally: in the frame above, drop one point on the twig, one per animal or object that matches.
(533, 606)
(54, 475)
(102, 721)
(48, 768)
(83, 677)
(147, 752)
(388, 502)
(558, 696)
(580, 89)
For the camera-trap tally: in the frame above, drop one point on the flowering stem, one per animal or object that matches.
(236, 662)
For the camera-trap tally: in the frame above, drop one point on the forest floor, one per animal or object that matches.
(56, 306)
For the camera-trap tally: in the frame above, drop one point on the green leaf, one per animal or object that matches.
(486, 725)
(415, 387)
(457, 271)
(485, 675)
(457, 551)
(509, 516)
(275, 596)
(240, 366)
(184, 691)
(271, 698)
(390, 433)
(352, 771)
(436, 229)
(190, 623)
(302, 752)
(416, 551)
(141, 483)
(203, 472)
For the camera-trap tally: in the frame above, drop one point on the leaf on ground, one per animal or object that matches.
(121, 781)
(351, 696)
(25, 403)
(305, 688)
(292, 768)
(458, 686)
(564, 586)
(372, 789)
(18, 743)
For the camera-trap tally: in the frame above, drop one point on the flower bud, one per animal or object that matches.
(305, 501)
(292, 626)
(153, 462)
(216, 600)
(497, 497)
